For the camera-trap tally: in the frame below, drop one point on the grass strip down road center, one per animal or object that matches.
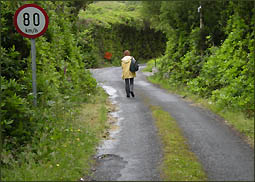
(179, 163)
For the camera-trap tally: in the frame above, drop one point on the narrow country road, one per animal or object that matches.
(134, 151)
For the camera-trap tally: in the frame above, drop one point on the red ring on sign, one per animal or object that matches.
(16, 24)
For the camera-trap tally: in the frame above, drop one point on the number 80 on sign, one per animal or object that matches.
(31, 21)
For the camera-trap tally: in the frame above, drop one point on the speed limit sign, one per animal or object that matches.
(31, 20)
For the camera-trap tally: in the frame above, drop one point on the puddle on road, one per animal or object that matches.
(110, 91)
(108, 167)
(142, 83)
(114, 120)
(111, 140)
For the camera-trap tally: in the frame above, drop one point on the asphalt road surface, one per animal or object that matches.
(133, 152)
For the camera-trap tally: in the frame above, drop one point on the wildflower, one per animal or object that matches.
(57, 165)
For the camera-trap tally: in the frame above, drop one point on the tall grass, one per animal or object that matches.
(66, 146)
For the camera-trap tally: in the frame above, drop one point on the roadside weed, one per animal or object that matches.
(65, 147)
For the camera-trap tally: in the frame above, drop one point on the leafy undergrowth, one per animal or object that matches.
(65, 149)
(179, 163)
(236, 120)
(151, 64)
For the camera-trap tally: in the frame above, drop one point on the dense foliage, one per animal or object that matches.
(117, 26)
(214, 59)
(62, 81)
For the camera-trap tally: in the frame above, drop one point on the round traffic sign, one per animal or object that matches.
(31, 20)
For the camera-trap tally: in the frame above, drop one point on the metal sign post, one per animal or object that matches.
(31, 21)
(33, 53)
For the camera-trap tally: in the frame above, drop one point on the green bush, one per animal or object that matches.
(216, 61)
(62, 80)
(227, 75)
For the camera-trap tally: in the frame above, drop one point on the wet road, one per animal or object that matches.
(133, 152)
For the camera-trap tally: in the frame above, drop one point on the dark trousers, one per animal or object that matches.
(129, 85)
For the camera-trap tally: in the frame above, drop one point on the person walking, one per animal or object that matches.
(127, 75)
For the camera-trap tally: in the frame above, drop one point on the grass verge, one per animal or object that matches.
(179, 163)
(236, 120)
(149, 65)
(64, 152)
